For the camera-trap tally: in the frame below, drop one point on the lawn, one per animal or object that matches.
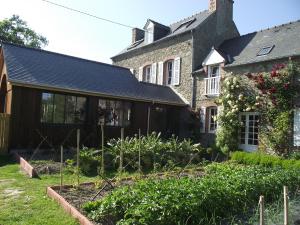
(24, 200)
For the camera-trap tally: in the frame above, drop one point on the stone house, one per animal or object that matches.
(193, 55)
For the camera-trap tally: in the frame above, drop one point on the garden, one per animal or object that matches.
(152, 180)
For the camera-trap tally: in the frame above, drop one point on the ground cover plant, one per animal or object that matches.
(227, 190)
(262, 159)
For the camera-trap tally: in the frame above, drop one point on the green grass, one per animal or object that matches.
(24, 201)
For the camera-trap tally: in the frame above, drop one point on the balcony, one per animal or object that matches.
(212, 86)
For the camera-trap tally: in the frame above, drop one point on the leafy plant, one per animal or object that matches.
(89, 160)
(227, 190)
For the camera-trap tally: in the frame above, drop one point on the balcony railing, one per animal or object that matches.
(212, 86)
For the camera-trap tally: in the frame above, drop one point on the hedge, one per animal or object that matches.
(262, 159)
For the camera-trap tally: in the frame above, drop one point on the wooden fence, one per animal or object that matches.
(4, 133)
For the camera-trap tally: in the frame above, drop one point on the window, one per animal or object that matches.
(249, 131)
(169, 72)
(212, 126)
(147, 73)
(265, 50)
(62, 109)
(185, 24)
(214, 71)
(114, 113)
(212, 83)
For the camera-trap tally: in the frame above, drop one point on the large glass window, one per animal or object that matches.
(66, 109)
(114, 113)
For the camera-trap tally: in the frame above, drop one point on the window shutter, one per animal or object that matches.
(202, 119)
(160, 75)
(297, 127)
(153, 73)
(176, 75)
(141, 74)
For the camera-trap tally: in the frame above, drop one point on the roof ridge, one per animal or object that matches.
(62, 54)
(266, 29)
(189, 17)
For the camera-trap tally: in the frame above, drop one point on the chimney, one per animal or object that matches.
(223, 7)
(137, 34)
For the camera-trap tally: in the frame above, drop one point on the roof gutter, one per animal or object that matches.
(268, 60)
(96, 94)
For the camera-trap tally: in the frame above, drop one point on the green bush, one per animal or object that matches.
(227, 190)
(262, 159)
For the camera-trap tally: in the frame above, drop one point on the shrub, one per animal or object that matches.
(264, 160)
(226, 191)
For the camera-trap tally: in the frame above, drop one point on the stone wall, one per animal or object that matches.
(180, 46)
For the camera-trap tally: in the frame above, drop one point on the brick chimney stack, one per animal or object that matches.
(137, 34)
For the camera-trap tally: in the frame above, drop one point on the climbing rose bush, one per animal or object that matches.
(271, 94)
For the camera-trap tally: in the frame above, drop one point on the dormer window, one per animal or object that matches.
(214, 71)
(149, 33)
(212, 82)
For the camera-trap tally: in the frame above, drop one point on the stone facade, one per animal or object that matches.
(207, 139)
(180, 46)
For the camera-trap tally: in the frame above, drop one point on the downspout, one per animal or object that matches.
(193, 105)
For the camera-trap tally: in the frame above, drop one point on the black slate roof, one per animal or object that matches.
(44, 69)
(243, 50)
(195, 20)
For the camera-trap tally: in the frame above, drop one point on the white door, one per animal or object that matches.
(249, 131)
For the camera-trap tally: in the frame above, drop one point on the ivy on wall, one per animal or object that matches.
(271, 95)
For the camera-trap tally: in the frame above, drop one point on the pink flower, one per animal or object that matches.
(272, 90)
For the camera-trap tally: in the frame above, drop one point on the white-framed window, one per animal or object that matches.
(249, 131)
(212, 119)
(147, 73)
(212, 82)
(169, 72)
(297, 127)
(214, 71)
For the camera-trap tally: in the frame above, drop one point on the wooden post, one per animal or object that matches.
(78, 142)
(61, 166)
(148, 120)
(140, 170)
(102, 147)
(121, 150)
(261, 210)
(286, 205)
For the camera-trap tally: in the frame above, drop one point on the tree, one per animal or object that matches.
(15, 30)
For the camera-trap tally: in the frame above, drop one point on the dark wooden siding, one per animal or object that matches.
(26, 126)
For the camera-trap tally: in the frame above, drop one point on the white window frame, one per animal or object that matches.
(210, 70)
(215, 124)
(248, 147)
(146, 75)
(167, 72)
(296, 135)
(212, 82)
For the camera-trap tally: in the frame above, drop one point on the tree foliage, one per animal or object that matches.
(15, 30)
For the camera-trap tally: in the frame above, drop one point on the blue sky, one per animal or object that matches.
(82, 36)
